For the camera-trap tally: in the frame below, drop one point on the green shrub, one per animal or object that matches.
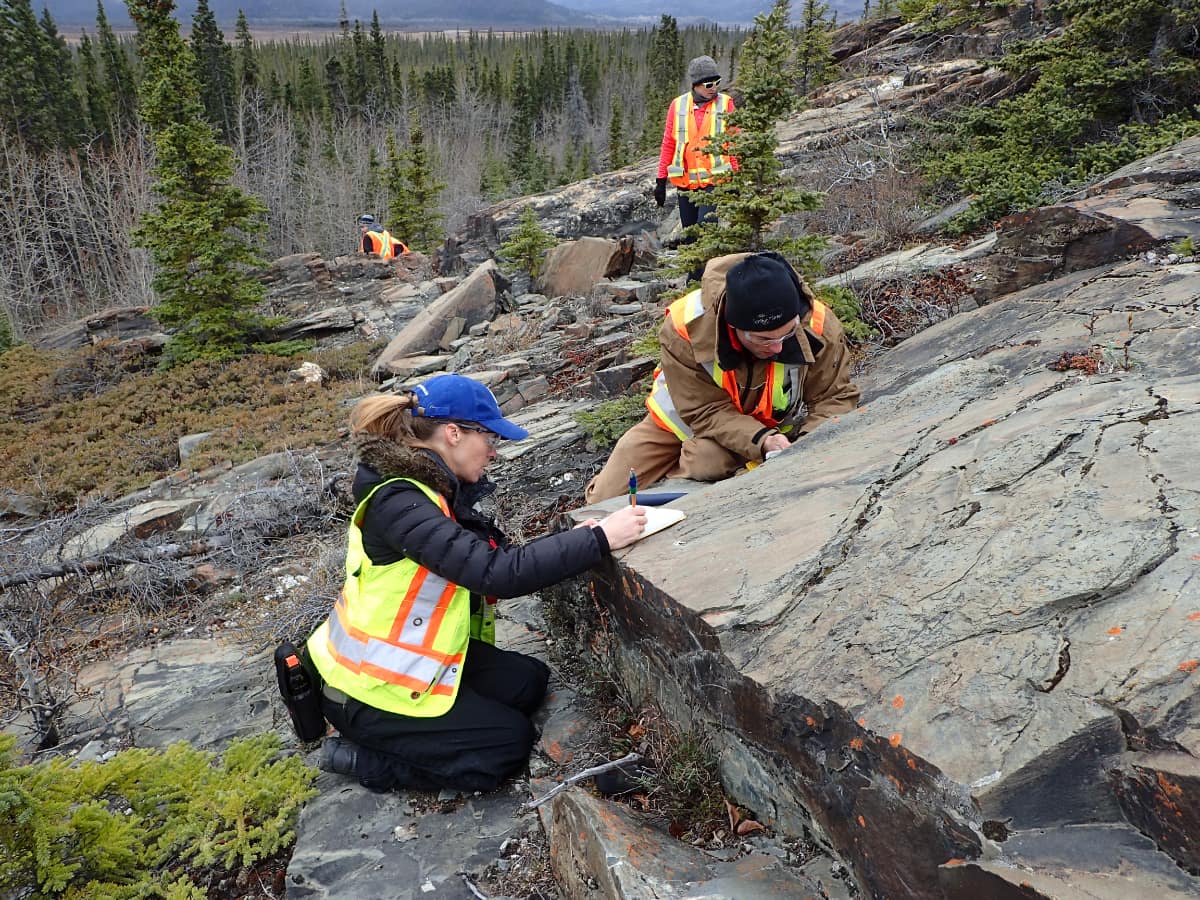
(1184, 247)
(1120, 81)
(6, 333)
(528, 244)
(605, 423)
(141, 823)
(848, 310)
(649, 344)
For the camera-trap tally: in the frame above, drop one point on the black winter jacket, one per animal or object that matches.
(400, 521)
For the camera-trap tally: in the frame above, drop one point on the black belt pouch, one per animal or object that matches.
(300, 688)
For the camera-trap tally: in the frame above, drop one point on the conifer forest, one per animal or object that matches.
(320, 131)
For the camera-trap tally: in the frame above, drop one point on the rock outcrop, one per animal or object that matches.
(961, 616)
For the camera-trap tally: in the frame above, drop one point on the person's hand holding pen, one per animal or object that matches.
(624, 526)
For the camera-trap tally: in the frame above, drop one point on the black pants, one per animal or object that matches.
(482, 740)
(692, 213)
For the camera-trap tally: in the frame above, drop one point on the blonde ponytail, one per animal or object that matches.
(392, 416)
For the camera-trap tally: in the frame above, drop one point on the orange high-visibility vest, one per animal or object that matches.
(774, 406)
(697, 163)
(384, 245)
(397, 637)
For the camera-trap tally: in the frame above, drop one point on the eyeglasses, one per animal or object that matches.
(710, 84)
(753, 337)
(490, 436)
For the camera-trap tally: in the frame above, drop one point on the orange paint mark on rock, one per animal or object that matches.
(898, 702)
(1170, 788)
(952, 440)
(1194, 617)
(988, 423)
(1115, 630)
(894, 740)
(862, 722)
(912, 763)
(1189, 665)
(856, 743)
(1196, 556)
(862, 823)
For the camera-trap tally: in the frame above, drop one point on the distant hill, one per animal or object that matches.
(418, 14)
(414, 14)
(731, 12)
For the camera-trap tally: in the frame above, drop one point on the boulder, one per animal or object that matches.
(575, 267)
(474, 300)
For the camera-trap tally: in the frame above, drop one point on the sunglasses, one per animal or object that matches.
(490, 436)
(709, 85)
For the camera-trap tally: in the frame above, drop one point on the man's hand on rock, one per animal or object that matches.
(774, 442)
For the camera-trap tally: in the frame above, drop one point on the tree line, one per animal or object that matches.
(420, 130)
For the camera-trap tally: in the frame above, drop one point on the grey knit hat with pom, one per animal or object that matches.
(702, 68)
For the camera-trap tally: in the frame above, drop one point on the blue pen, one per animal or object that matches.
(632, 487)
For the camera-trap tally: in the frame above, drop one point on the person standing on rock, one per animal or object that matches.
(751, 362)
(378, 240)
(688, 158)
(413, 682)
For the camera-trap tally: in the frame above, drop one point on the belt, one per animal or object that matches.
(332, 693)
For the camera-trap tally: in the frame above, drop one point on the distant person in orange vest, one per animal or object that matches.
(686, 159)
(751, 362)
(377, 239)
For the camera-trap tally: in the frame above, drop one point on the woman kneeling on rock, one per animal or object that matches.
(413, 682)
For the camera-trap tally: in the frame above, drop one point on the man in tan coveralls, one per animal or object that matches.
(753, 361)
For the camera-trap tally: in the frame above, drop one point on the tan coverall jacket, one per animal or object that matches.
(724, 439)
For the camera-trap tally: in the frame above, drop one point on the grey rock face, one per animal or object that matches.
(961, 603)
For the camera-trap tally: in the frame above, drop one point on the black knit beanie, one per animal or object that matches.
(762, 293)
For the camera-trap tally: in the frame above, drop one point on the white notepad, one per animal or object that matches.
(660, 517)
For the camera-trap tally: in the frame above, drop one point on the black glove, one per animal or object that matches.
(660, 191)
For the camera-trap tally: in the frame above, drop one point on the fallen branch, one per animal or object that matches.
(115, 560)
(471, 887)
(580, 776)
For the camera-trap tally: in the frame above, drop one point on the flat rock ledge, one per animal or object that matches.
(955, 634)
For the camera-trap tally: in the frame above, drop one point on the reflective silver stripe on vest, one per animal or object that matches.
(416, 620)
(675, 169)
(386, 656)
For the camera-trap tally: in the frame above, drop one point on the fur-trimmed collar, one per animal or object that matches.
(389, 459)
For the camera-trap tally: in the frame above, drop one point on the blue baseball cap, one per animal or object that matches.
(464, 399)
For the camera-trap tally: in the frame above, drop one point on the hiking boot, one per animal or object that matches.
(338, 755)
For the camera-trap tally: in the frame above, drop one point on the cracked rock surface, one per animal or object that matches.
(988, 569)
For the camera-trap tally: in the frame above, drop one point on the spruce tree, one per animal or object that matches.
(198, 235)
(38, 99)
(813, 59)
(213, 69)
(527, 245)
(377, 68)
(120, 86)
(616, 137)
(95, 98)
(247, 65)
(413, 211)
(757, 196)
(665, 64)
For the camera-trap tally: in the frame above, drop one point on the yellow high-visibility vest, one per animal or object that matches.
(397, 637)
